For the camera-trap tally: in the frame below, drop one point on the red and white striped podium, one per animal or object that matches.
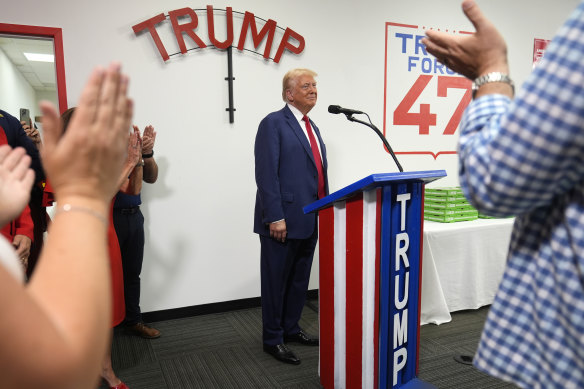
(370, 272)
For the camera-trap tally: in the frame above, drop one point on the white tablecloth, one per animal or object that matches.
(462, 265)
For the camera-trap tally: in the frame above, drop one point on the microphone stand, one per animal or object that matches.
(370, 125)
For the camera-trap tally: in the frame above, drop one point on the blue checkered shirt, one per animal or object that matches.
(526, 158)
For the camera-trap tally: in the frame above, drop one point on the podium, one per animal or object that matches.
(370, 253)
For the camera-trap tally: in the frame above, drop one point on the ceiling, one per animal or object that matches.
(40, 75)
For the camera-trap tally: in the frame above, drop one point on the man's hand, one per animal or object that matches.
(134, 155)
(22, 245)
(473, 55)
(278, 230)
(148, 139)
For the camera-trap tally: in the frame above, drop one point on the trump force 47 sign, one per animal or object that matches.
(424, 100)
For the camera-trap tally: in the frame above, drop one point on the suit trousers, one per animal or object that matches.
(285, 272)
(130, 231)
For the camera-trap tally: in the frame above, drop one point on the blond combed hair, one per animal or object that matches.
(290, 78)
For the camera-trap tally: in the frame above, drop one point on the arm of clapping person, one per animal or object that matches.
(130, 181)
(56, 328)
(150, 174)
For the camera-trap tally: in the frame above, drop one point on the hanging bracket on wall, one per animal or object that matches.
(229, 80)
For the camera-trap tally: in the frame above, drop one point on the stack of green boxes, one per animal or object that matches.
(447, 205)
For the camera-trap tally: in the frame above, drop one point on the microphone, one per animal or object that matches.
(336, 109)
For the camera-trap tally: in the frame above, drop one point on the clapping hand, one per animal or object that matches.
(16, 179)
(148, 139)
(134, 147)
(472, 55)
(87, 160)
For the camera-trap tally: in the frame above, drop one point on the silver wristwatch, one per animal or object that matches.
(491, 77)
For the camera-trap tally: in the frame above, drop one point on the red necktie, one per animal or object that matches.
(316, 155)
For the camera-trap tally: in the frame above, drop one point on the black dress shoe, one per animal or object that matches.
(302, 338)
(282, 353)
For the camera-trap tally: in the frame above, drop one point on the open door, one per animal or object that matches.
(45, 77)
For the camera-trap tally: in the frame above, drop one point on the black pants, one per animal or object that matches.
(285, 272)
(129, 224)
(39, 217)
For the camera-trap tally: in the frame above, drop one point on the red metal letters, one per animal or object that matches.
(291, 40)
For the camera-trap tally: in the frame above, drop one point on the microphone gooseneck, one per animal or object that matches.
(336, 109)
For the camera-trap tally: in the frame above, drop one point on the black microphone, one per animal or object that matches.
(336, 109)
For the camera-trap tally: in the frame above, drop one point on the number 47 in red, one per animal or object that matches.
(424, 119)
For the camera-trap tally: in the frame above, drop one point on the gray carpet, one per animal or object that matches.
(439, 345)
(224, 350)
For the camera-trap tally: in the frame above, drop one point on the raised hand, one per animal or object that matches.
(473, 55)
(148, 139)
(87, 160)
(16, 179)
(134, 147)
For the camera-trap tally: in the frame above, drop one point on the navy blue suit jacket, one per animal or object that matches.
(286, 175)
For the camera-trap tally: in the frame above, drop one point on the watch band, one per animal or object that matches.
(150, 155)
(491, 77)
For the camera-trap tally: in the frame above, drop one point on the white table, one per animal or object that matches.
(462, 266)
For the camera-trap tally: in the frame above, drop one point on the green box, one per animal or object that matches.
(444, 191)
(459, 201)
(447, 205)
(445, 199)
(451, 211)
(451, 206)
(450, 218)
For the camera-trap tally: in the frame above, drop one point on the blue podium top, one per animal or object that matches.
(374, 181)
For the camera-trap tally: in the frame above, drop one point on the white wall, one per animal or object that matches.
(49, 96)
(200, 246)
(21, 94)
